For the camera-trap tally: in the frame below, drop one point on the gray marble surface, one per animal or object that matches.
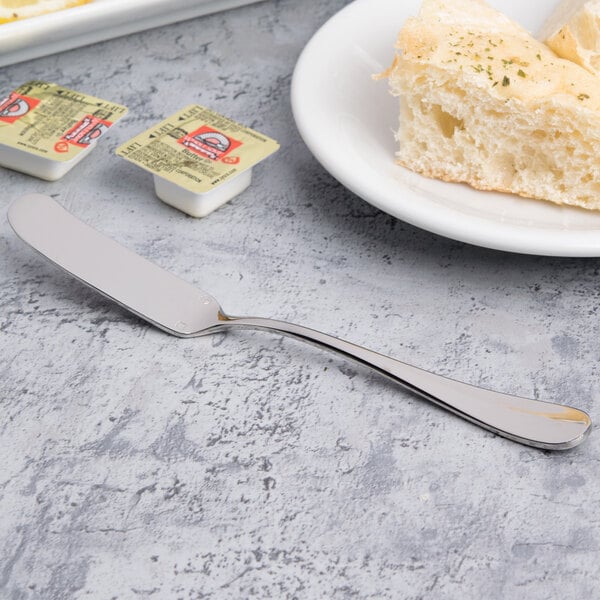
(137, 465)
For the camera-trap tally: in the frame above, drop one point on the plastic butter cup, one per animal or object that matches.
(38, 166)
(199, 159)
(46, 129)
(200, 205)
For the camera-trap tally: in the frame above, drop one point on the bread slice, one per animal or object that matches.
(573, 32)
(483, 102)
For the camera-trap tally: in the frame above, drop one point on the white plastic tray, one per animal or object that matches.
(100, 20)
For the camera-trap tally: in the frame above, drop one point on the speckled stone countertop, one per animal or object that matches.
(247, 465)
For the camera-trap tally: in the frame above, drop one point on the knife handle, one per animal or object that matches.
(531, 422)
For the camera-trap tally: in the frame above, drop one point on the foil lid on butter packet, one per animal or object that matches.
(199, 158)
(46, 129)
(54, 122)
(198, 149)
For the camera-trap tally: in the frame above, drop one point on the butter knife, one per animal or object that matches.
(183, 310)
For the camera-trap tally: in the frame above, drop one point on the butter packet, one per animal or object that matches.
(199, 158)
(46, 129)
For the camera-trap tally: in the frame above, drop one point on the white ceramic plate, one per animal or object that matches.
(100, 20)
(347, 119)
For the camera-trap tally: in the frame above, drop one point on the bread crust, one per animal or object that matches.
(483, 187)
(577, 37)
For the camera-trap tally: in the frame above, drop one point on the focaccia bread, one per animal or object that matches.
(573, 32)
(483, 102)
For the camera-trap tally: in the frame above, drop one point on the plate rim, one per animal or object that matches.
(97, 21)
